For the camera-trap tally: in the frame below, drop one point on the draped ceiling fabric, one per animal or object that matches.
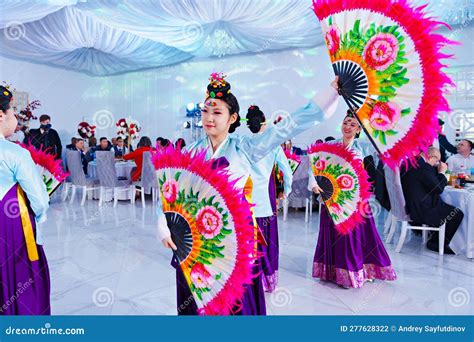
(107, 37)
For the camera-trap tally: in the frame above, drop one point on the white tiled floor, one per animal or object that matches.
(108, 261)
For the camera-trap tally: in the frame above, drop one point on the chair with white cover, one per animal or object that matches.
(398, 213)
(108, 178)
(148, 182)
(78, 177)
(300, 195)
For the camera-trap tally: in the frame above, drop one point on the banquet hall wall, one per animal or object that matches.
(157, 98)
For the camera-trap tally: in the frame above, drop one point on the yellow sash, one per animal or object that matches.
(27, 226)
(248, 196)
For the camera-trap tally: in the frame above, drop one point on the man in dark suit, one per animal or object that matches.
(45, 137)
(422, 187)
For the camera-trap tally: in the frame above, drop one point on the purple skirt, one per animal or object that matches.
(352, 259)
(253, 301)
(25, 284)
(270, 253)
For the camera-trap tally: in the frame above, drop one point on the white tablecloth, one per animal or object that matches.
(123, 169)
(463, 240)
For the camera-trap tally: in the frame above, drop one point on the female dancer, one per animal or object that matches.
(352, 259)
(220, 117)
(24, 274)
(264, 198)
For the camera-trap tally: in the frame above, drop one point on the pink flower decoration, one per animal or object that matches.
(170, 190)
(209, 221)
(336, 209)
(345, 182)
(384, 116)
(200, 276)
(320, 165)
(381, 51)
(333, 39)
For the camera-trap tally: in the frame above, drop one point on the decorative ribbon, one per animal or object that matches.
(27, 226)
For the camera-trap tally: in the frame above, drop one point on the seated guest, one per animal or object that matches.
(85, 157)
(144, 145)
(104, 145)
(72, 145)
(114, 142)
(180, 143)
(422, 187)
(120, 150)
(329, 139)
(463, 160)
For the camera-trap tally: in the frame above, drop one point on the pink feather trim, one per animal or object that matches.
(231, 294)
(43, 158)
(421, 29)
(292, 156)
(338, 149)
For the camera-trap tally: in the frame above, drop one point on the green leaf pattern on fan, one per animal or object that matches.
(326, 168)
(382, 50)
(212, 221)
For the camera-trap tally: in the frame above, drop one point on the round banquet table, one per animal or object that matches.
(123, 169)
(463, 241)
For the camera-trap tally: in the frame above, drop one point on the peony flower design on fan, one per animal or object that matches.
(380, 51)
(346, 182)
(333, 38)
(207, 219)
(170, 190)
(200, 276)
(340, 174)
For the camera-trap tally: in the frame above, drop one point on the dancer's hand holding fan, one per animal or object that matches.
(388, 60)
(344, 181)
(211, 226)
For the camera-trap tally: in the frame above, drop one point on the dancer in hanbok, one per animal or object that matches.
(352, 259)
(24, 274)
(220, 117)
(264, 198)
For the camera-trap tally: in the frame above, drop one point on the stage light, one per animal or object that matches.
(190, 107)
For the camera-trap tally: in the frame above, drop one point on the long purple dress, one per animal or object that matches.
(270, 253)
(352, 259)
(25, 284)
